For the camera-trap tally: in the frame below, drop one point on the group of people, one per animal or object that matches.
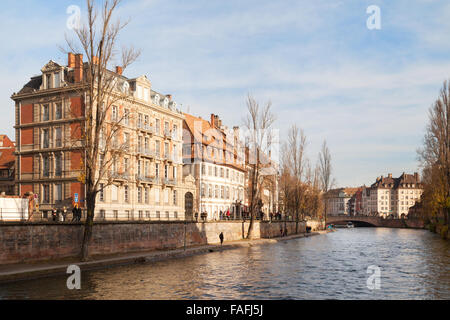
(276, 216)
(60, 215)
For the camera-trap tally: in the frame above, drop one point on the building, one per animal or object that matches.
(390, 196)
(145, 182)
(213, 155)
(339, 201)
(7, 165)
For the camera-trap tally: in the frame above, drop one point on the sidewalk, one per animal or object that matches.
(22, 271)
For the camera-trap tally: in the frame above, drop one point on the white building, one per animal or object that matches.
(392, 196)
(214, 156)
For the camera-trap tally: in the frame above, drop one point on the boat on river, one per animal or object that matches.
(350, 225)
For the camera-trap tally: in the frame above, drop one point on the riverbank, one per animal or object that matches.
(24, 271)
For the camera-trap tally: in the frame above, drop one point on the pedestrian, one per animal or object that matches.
(228, 214)
(196, 216)
(79, 215)
(281, 231)
(221, 238)
(221, 215)
(74, 214)
(54, 215)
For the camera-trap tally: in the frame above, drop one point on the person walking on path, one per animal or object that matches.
(221, 238)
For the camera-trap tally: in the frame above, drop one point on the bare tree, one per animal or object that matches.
(297, 164)
(258, 123)
(325, 171)
(435, 157)
(102, 89)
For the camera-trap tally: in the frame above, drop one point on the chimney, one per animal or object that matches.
(119, 70)
(78, 67)
(70, 60)
(416, 176)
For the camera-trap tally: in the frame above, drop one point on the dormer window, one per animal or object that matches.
(57, 80)
(157, 98)
(146, 94)
(48, 81)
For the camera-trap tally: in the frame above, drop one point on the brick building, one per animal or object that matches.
(7, 165)
(146, 180)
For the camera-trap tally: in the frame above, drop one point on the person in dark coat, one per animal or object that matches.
(221, 238)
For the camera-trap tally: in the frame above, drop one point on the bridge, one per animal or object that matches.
(357, 220)
(371, 221)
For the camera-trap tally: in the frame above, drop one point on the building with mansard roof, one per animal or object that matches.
(144, 182)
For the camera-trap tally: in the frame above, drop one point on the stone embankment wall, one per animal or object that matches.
(21, 242)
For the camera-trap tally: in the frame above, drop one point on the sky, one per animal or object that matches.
(366, 92)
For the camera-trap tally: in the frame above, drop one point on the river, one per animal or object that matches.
(414, 264)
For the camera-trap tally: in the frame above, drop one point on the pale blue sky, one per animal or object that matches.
(366, 91)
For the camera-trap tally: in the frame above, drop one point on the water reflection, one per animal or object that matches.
(414, 265)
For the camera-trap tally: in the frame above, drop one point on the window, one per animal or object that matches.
(139, 195)
(125, 165)
(58, 137)
(158, 214)
(203, 190)
(175, 131)
(203, 169)
(125, 194)
(157, 148)
(210, 170)
(126, 117)
(48, 78)
(126, 139)
(166, 149)
(45, 112)
(58, 192)
(210, 191)
(157, 170)
(221, 172)
(167, 215)
(45, 166)
(139, 122)
(139, 144)
(101, 195)
(146, 195)
(216, 191)
(175, 215)
(58, 111)
(57, 80)
(141, 214)
(215, 171)
(228, 173)
(175, 197)
(166, 171)
(147, 214)
(175, 173)
(114, 114)
(45, 193)
(58, 165)
(222, 192)
(157, 126)
(116, 214)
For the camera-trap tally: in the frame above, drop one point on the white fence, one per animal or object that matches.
(13, 209)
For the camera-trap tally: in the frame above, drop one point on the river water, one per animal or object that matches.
(414, 264)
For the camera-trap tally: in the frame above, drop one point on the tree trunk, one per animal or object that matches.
(250, 226)
(88, 224)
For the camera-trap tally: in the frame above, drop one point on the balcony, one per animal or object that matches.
(168, 182)
(148, 128)
(120, 176)
(145, 179)
(148, 153)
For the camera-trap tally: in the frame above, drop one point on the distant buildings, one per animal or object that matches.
(386, 197)
(339, 201)
(392, 196)
(7, 165)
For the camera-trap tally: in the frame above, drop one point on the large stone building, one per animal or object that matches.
(147, 180)
(214, 156)
(7, 162)
(390, 196)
